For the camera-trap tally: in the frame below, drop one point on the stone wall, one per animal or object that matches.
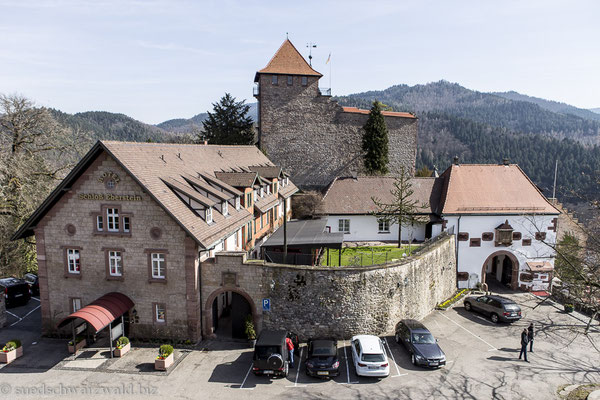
(341, 302)
(300, 130)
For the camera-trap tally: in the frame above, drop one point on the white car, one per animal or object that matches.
(369, 356)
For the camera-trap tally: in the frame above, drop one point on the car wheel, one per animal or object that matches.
(413, 359)
(468, 306)
(397, 338)
(494, 318)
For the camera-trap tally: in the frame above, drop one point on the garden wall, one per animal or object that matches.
(333, 301)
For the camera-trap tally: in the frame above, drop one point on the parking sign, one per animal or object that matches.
(266, 304)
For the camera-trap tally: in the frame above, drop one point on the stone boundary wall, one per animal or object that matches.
(339, 302)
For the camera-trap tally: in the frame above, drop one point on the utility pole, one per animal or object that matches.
(310, 47)
(284, 232)
(554, 188)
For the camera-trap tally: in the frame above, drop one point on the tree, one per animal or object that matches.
(424, 172)
(403, 209)
(375, 141)
(306, 205)
(229, 123)
(36, 152)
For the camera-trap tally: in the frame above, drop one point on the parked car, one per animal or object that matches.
(369, 357)
(420, 343)
(322, 359)
(271, 354)
(34, 284)
(16, 291)
(498, 308)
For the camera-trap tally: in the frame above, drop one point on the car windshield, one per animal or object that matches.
(422, 338)
(263, 352)
(323, 351)
(372, 357)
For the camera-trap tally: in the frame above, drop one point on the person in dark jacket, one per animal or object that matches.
(530, 336)
(524, 341)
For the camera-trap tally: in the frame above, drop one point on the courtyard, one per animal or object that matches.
(482, 364)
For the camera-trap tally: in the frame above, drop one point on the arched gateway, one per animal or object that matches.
(225, 312)
(501, 268)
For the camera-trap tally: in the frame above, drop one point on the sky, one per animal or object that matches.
(156, 60)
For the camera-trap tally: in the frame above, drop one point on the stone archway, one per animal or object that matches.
(207, 312)
(514, 283)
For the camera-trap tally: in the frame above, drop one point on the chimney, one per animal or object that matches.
(505, 161)
(455, 160)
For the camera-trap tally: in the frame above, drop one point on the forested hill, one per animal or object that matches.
(485, 128)
(105, 125)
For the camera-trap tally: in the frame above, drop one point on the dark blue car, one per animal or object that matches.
(322, 360)
(420, 343)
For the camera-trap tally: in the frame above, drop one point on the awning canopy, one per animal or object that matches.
(101, 312)
(540, 266)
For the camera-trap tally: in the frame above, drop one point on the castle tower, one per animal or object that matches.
(310, 135)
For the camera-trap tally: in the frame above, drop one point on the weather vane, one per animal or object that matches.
(310, 47)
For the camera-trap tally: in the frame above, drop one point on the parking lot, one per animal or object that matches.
(482, 363)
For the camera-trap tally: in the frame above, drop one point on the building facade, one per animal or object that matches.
(139, 219)
(300, 126)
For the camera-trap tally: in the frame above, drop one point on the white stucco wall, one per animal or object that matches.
(366, 228)
(471, 259)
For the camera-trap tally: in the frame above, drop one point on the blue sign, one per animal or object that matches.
(266, 304)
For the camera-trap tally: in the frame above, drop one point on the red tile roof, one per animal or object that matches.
(492, 189)
(385, 113)
(289, 61)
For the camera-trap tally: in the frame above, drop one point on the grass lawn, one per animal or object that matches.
(365, 255)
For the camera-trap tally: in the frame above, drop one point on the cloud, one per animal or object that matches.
(173, 47)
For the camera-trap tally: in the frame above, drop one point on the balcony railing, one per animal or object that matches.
(256, 90)
(325, 91)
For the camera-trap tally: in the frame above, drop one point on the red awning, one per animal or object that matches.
(101, 312)
(540, 266)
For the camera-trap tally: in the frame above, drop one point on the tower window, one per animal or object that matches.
(274, 79)
(290, 80)
(304, 80)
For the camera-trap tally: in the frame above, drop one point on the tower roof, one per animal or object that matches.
(288, 61)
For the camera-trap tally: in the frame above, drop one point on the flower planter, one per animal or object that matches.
(10, 356)
(79, 345)
(122, 351)
(163, 364)
(569, 308)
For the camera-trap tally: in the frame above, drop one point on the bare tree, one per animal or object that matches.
(404, 209)
(36, 152)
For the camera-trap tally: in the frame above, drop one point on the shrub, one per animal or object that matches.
(249, 328)
(165, 351)
(122, 342)
(77, 340)
(11, 345)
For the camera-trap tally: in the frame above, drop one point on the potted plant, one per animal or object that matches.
(165, 358)
(250, 331)
(123, 346)
(78, 344)
(11, 351)
(569, 308)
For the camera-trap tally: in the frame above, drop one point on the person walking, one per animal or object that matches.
(290, 347)
(524, 341)
(530, 336)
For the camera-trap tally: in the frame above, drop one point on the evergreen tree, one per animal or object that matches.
(375, 142)
(229, 123)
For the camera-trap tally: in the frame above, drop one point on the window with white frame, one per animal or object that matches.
(268, 189)
(158, 265)
(112, 219)
(99, 223)
(236, 241)
(126, 224)
(159, 312)
(274, 187)
(262, 192)
(344, 225)
(115, 266)
(255, 195)
(209, 218)
(75, 304)
(237, 202)
(73, 261)
(225, 208)
(384, 225)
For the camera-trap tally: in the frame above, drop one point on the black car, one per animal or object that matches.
(34, 284)
(322, 359)
(16, 291)
(420, 343)
(271, 354)
(498, 308)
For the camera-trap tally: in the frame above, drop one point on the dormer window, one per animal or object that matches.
(274, 187)
(225, 208)
(255, 195)
(504, 234)
(209, 218)
(268, 189)
(262, 192)
(287, 181)
(237, 202)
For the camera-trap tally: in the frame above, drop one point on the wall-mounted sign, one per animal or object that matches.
(266, 303)
(109, 175)
(109, 197)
